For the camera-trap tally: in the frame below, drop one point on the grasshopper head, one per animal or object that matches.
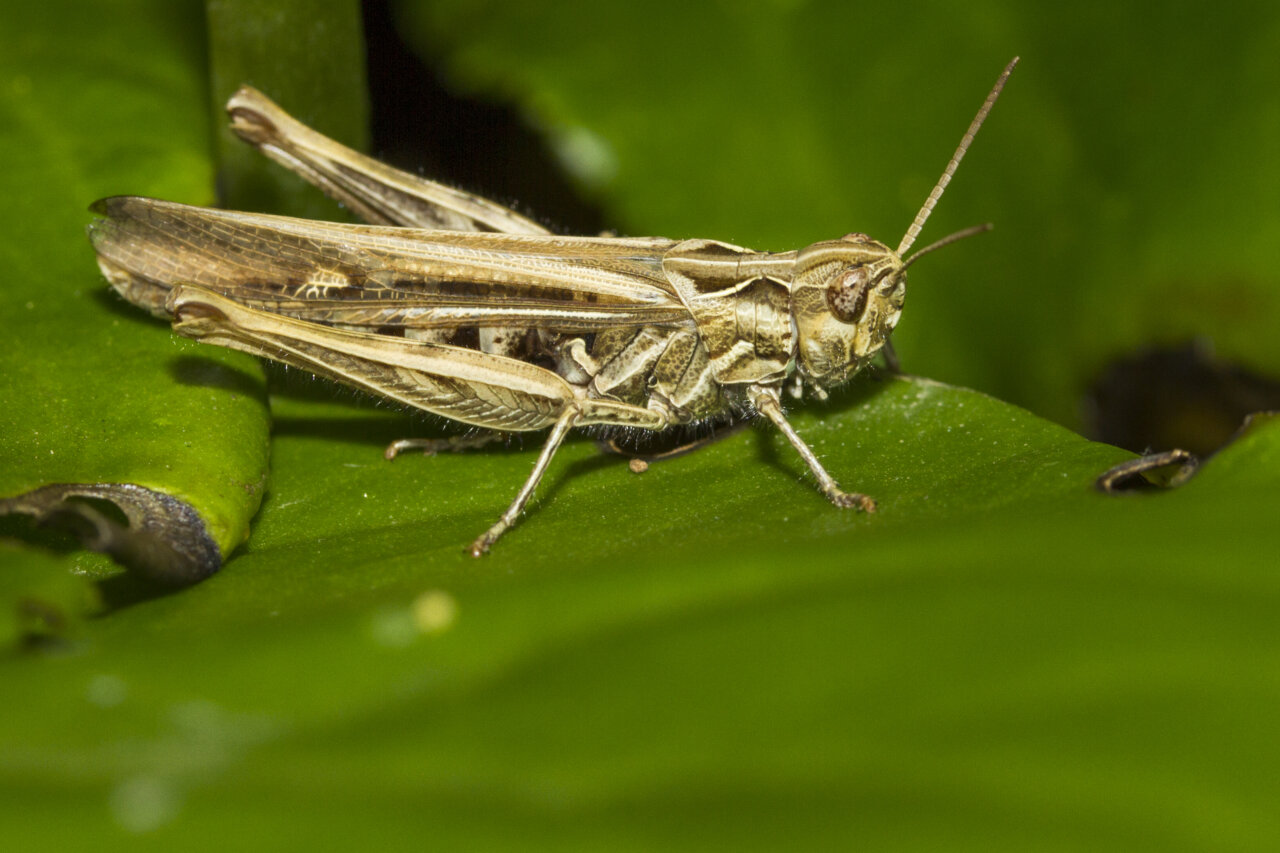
(846, 298)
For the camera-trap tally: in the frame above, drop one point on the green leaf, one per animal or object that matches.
(307, 57)
(96, 393)
(707, 654)
(41, 595)
(101, 401)
(1002, 656)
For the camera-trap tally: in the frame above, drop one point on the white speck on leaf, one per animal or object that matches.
(106, 691)
(144, 803)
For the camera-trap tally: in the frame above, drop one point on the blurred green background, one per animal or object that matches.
(708, 654)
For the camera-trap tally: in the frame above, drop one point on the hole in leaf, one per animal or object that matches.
(108, 510)
(1176, 397)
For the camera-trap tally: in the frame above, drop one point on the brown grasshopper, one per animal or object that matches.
(457, 306)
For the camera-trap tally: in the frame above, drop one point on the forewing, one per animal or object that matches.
(380, 277)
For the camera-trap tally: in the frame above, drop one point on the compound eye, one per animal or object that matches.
(847, 294)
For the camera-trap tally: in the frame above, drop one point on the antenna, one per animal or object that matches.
(946, 241)
(965, 142)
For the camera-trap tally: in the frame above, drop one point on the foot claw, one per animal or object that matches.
(849, 500)
(480, 547)
(395, 448)
(432, 446)
(427, 446)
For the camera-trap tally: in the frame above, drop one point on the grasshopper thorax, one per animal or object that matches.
(846, 297)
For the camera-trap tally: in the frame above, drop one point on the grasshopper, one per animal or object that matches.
(455, 305)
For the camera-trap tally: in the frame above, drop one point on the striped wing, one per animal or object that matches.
(382, 277)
